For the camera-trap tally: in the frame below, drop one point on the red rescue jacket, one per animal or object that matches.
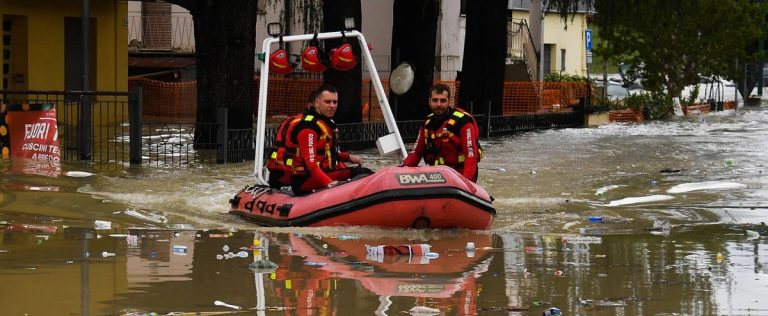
(312, 141)
(280, 161)
(449, 140)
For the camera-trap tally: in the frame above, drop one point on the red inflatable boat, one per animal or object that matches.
(403, 197)
(419, 197)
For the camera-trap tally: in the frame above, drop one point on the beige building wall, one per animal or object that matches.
(572, 40)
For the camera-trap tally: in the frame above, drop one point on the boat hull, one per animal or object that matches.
(395, 197)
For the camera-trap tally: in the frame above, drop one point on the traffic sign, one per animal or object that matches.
(588, 37)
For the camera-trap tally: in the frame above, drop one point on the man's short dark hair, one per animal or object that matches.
(440, 88)
(325, 87)
(312, 96)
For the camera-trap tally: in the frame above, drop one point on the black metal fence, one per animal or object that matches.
(103, 138)
(116, 132)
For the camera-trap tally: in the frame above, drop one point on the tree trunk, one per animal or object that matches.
(225, 39)
(414, 33)
(485, 49)
(347, 82)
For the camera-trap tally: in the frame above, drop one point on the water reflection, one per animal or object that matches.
(443, 278)
(697, 270)
(172, 248)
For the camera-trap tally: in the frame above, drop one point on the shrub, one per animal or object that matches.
(558, 77)
(655, 105)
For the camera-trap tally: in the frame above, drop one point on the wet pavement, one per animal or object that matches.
(660, 218)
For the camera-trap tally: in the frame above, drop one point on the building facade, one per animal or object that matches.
(42, 45)
(562, 46)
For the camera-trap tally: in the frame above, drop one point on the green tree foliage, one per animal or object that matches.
(672, 43)
(566, 8)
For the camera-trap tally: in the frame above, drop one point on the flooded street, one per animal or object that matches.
(661, 218)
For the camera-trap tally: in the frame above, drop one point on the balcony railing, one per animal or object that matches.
(161, 33)
(520, 47)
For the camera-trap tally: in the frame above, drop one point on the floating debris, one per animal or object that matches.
(263, 266)
(220, 303)
(78, 174)
(640, 199)
(423, 310)
(707, 185)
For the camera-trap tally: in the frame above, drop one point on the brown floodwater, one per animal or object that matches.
(661, 218)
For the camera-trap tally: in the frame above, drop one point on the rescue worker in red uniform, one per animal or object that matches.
(280, 161)
(317, 161)
(447, 137)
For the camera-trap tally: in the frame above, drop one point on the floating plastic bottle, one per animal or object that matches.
(596, 219)
(179, 250)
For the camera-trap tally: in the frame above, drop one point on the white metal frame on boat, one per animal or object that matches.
(389, 119)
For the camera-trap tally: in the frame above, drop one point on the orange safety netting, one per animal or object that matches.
(288, 96)
(371, 105)
(535, 97)
(626, 116)
(161, 99)
(285, 96)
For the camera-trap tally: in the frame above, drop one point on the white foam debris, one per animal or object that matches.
(604, 189)
(708, 185)
(640, 199)
(78, 174)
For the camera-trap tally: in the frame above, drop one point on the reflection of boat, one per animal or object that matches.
(428, 197)
(436, 197)
(447, 281)
(29, 228)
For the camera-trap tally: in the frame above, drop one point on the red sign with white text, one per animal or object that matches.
(32, 137)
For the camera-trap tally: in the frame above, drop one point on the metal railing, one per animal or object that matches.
(118, 134)
(161, 33)
(116, 131)
(521, 48)
(102, 139)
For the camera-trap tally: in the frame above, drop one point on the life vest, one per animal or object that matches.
(327, 154)
(280, 158)
(443, 142)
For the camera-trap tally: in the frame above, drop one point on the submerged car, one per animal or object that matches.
(615, 90)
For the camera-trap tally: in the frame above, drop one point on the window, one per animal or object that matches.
(562, 59)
